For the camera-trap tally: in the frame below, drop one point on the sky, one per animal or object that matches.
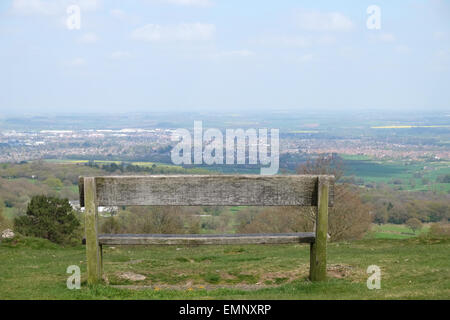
(223, 55)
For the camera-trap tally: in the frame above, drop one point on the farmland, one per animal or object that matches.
(403, 175)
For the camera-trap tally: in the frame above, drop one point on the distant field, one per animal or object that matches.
(410, 175)
(416, 268)
(408, 127)
(304, 131)
(407, 175)
(136, 163)
(354, 157)
(162, 167)
(394, 231)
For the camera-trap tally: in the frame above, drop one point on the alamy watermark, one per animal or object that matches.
(73, 21)
(374, 20)
(374, 280)
(74, 281)
(249, 146)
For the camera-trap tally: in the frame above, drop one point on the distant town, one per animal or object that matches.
(153, 144)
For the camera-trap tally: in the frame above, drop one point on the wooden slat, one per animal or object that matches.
(93, 250)
(217, 239)
(220, 190)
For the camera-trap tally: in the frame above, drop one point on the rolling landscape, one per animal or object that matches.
(197, 150)
(405, 177)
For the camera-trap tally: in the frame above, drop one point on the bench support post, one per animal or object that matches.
(93, 249)
(318, 251)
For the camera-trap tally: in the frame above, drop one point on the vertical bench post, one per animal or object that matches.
(318, 257)
(93, 249)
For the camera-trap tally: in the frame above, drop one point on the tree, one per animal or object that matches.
(414, 224)
(53, 183)
(398, 214)
(323, 164)
(350, 218)
(50, 218)
(443, 178)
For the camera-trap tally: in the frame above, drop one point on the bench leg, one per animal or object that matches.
(93, 249)
(318, 249)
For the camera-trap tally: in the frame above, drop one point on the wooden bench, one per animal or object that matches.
(204, 190)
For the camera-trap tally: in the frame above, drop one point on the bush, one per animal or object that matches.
(49, 218)
(157, 219)
(440, 229)
(275, 220)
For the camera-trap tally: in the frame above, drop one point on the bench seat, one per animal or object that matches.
(218, 239)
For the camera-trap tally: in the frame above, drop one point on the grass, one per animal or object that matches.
(394, 231)
(415, 268)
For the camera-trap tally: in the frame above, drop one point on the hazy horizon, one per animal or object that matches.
(230, 111)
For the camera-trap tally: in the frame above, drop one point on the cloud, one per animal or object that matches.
(382, 37)
(117, 55)
(305, 58)
(286, 41)
(323, 21)
(77, 62)
(193, 3)
(298, 41)
(118, 14)
(402, 49)
(87, 5)
(443, 53)
(40, 7)
(440, 35)
(179, 32)
(234, 53)
(51, 7)
(386, 37)
(123, 16)
(88, 38)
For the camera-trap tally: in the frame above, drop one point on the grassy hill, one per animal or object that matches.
(415, 268)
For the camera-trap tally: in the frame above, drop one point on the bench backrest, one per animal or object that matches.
(193, 190)
(218, 190)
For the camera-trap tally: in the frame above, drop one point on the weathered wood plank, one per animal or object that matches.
(217, 239)
(93, 249)
(225, 190)
(81, 190)
(318, 258)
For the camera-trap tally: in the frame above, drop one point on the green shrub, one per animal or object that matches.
(49, 218)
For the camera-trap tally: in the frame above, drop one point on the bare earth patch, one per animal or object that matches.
(195, 287)
(132, 276)
(339, 271)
